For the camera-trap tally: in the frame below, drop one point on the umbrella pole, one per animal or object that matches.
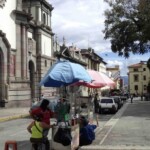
(97, 115)
(89, 111)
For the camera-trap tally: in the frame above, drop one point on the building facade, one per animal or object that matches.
(114, 74)
(139, 77)
(26, 50)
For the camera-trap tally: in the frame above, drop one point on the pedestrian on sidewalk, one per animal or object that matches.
(131, 97)
(142, 97)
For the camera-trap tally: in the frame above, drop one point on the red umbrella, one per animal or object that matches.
(97, 80)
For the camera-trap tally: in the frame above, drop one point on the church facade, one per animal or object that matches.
(26, 50)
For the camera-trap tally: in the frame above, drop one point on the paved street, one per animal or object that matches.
(128, 129)
(12, 128)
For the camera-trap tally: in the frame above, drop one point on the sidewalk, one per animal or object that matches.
(13, 113)
(128, 129)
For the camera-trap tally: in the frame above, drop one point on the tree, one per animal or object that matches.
(127, 25)
(148, 66)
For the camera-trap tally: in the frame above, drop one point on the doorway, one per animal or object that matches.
(1, 77)
(32, 79)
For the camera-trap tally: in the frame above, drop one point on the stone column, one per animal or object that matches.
(23, 51)
(19, 5)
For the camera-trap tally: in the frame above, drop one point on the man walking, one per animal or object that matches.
(131, 98)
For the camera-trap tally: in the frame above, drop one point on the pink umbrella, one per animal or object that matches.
(106, 79)
(97, 80)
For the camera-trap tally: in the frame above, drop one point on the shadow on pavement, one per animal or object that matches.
(23, 145)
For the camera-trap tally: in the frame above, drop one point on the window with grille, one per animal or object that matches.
(135, 69)
(136, 78)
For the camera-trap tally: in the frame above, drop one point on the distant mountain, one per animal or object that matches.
(125, 79)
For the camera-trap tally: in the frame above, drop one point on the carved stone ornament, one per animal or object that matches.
(2, 3)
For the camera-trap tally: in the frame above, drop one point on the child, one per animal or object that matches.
(36, 128)
(47, 114)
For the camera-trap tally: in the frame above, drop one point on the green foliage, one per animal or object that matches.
(127, 25)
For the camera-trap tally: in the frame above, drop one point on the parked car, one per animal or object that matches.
(115, 92)
(108, 104)
(123, 97)
(118, 101)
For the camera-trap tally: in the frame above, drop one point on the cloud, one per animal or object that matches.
(113, 59)
(80, 22)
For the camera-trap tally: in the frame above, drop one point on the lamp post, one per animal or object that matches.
(142, 86)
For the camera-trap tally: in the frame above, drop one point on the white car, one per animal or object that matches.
(108, 104)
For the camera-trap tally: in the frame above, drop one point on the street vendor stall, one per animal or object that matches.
(62, 74)
(99, 80)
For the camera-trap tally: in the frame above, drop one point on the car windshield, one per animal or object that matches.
(106, 101)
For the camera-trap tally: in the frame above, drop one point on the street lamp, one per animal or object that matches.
(142, 86)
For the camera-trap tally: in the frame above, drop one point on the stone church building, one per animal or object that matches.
(26, 50)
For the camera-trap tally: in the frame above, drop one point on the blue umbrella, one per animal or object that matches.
(64, 73)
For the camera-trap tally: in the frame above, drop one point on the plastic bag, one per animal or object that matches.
(63, 136)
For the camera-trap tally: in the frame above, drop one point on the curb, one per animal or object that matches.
(112, 147)
(13, 117)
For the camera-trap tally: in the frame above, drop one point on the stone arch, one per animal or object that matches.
(5, 49)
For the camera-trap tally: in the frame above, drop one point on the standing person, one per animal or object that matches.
(62, 110)
(142, 97)
(96, 107)
(47, 114)
(131, 98)
(36, 128)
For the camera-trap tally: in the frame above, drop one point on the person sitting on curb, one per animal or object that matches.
(87, 134)
(36, 128)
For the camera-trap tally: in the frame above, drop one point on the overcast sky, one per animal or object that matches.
(81, 23)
